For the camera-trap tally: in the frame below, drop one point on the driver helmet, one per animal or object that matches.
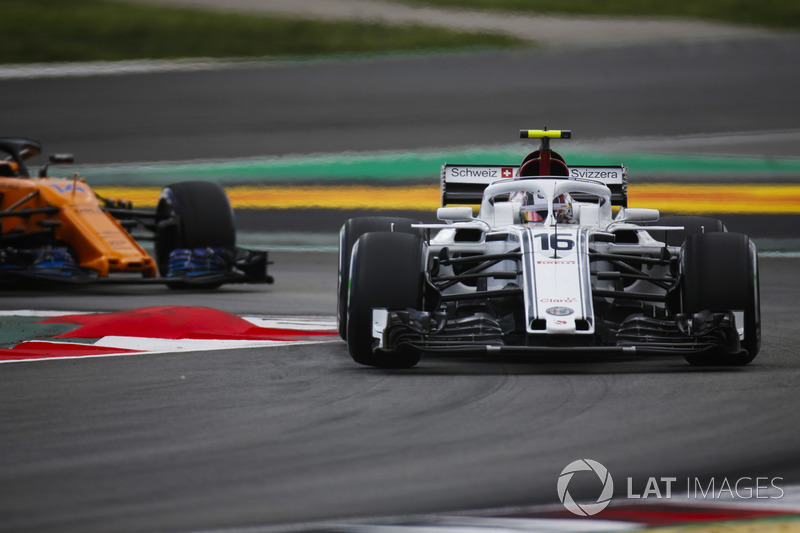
(534, 207)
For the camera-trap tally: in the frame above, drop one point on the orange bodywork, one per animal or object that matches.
(98, 239)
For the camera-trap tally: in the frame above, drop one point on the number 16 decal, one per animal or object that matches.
(554, 241)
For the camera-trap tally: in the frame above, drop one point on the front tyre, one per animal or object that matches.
(192, 214)
(720, 274)
(348, 235)
(385, 272)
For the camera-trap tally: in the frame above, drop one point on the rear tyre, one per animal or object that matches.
(348, 235)
(691, 226)
(386, 273)
(192, 214)
(719, 274)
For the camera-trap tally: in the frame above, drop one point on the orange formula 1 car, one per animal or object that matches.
(60, 230)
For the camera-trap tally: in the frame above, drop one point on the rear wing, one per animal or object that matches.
(464, 184)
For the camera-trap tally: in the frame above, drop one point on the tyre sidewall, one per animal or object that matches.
(348, 235)
(719, 273)
(386, 271)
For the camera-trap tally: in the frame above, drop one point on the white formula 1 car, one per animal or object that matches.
(546, 267)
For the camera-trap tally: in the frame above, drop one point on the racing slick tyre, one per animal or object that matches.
(719, 274)
(386, 273)
(192, 214)
(348, 235)
(691, 226)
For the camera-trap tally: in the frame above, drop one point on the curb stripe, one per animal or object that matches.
(162, 329)
(772, 199)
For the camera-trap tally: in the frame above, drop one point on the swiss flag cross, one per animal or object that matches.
(507, 172)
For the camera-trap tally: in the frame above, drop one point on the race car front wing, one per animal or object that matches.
(198, 268)
(433, 331)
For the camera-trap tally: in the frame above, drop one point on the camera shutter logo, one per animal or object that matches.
(585, 509)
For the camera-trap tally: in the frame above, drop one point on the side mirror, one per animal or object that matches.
(639, 214)
(56, 159)
(455, 214)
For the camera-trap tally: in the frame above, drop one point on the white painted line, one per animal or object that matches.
(502, 525)
(789, 255)
(43, 314)
(152, 345)
(128, 354)
(119, 68)
(300, 323)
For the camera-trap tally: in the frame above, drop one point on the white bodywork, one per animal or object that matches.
(555, 275)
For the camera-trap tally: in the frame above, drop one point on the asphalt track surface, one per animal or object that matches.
(668, 91)
(257, 437)
(218, 440)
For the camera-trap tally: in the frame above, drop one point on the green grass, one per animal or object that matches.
(97, 30)
(779, 14)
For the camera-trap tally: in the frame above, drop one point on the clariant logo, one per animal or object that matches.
(585, 509)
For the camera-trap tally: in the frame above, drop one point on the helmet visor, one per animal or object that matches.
(534, 215)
